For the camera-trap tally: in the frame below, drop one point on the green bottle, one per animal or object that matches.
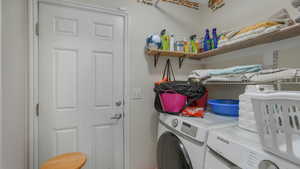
(165, 40)
(193, 44)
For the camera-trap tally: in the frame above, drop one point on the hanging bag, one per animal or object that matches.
(173, 96)
(168, 73)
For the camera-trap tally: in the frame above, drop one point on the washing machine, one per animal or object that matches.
(236, 148)
(182, 141)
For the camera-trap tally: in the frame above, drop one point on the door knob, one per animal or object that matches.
(116, 117)
(119, 103)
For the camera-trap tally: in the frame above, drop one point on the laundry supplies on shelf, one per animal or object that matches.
(153, 42)
(207, 41)
(165, 40)
(215, 39)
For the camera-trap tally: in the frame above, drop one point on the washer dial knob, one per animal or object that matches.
(268, 165)
(175, 123)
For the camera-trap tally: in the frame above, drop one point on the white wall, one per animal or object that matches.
(143, 20)
(14, 70)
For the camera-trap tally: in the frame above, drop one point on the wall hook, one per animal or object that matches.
(180, 60)
(156, 58)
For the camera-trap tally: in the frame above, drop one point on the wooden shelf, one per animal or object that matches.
(171, 54)
(285, 33)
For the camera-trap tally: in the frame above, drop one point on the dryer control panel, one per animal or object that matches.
(189, 129)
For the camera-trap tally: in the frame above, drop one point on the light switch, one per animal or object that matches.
(137, 93)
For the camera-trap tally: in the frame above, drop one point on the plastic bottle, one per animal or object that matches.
(165, 40)
(215, 39)
(186, 47)
(207, 41)
(193, 47)
(172, 43)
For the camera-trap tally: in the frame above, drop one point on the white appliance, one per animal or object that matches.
(182, 140)
(238, 148)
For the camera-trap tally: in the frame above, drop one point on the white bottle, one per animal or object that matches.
(172, 43)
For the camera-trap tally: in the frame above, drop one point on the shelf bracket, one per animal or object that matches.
(156, 58)
(180, 61)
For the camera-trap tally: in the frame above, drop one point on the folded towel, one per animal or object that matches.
(273, 75)
(226, 78)
(236, 70)
(206, 73)
(264, 76)
(200, 74)
(282, 16)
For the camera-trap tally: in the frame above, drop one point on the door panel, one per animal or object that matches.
(103, 62)
(65, 80)
(66, 141)
(80, 82)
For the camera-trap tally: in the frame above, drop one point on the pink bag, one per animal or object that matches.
(172, 101)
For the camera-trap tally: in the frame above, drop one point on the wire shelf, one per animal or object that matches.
(293, 81)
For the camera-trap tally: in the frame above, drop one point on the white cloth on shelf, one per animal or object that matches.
(201, 74)
(264, 76)
(206, 73)
(226, 78)
(273, 75)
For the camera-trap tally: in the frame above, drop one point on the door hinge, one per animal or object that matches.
(37, 109)
(37, 29)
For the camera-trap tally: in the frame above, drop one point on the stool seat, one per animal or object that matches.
(66, 161)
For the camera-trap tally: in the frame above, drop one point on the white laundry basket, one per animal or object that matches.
(278, 121)
(247, 118)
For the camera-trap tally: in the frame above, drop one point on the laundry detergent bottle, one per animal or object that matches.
(207, 41)
(215, 39)
(165, 40)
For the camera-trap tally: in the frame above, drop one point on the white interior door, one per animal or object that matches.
(81, 84)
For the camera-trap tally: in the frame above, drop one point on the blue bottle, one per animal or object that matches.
(207, 41)
(215, 39)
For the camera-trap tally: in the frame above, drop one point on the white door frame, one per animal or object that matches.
(33, 75)
(1, 114)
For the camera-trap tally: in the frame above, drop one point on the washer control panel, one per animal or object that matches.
(174, 123)
(189, 129)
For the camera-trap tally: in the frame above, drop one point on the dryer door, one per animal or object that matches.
(171, 153)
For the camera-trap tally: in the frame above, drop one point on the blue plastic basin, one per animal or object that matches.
(225, 107)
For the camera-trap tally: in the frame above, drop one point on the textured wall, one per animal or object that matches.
(14, 74)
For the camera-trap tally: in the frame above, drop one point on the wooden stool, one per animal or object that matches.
(66, 161)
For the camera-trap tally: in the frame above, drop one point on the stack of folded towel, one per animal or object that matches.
(277, 21)
(271, 75)
(248, 73)
(227, 72)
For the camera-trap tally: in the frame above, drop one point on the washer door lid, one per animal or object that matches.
(171, 153)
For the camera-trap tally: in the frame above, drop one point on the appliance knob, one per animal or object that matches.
(268, 165)
(175, 123)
